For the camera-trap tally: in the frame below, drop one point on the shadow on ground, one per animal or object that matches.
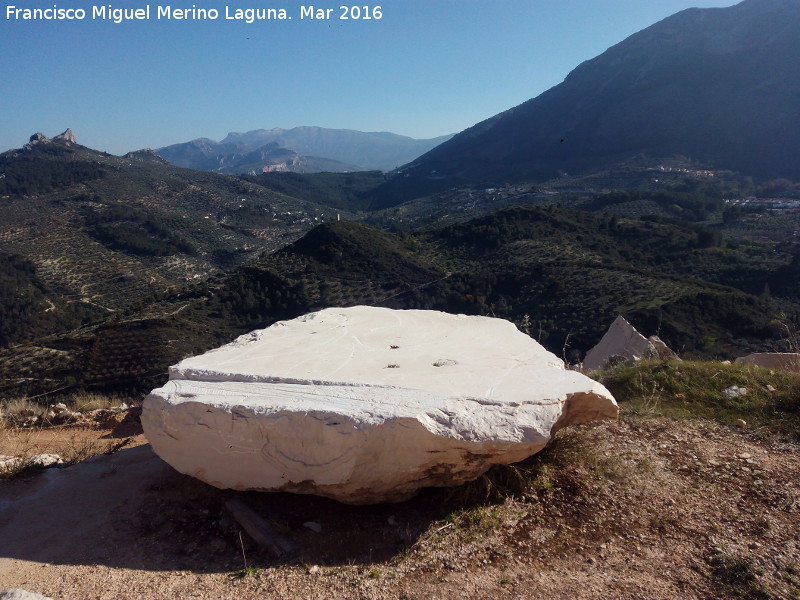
(131, 510)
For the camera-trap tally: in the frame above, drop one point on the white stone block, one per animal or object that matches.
(366, 404)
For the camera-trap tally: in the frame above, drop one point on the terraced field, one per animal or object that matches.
(137, 229)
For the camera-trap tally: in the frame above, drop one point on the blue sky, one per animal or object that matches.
(426, 68)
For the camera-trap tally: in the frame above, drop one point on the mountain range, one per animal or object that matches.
(717, 85)
(300, 150)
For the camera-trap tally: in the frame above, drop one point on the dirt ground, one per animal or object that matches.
(642, 508)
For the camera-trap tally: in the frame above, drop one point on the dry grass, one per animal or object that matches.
(73, 447)
(25, 426)
(29, 412)
(20, 412)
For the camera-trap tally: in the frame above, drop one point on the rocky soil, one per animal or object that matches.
(643, 508)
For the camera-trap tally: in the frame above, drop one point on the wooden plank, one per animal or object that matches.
(259, 529)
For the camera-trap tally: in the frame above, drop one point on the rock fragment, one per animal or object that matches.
(785, 361)
(623, 343)
(734, 391)
(18, 594)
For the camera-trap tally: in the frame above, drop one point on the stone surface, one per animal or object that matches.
(623, 343)
(67, 136)
(45, 460)
(661, 350)
(37, 460)
(59, 413)
(786, 361)
(366, 404)
(18, 594)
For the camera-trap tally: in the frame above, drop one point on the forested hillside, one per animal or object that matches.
(561, 275)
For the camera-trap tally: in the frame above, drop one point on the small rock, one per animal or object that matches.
(315, 527)
(7, 462)
(771, 389)
(313, 570)
(59, 413)
(740, 423)
(734, 391)
(45, 460)
(744, 455)
(18, 594)
(591, 560)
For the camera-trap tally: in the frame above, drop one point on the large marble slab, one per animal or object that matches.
(366, 404)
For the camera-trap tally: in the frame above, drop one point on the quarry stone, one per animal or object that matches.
(785, 361)
(366, 404)
(623, 343)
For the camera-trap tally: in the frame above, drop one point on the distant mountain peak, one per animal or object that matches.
(718, 85)
(318, 148)
(68, 137)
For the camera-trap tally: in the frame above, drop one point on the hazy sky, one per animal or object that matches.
(426, 68)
